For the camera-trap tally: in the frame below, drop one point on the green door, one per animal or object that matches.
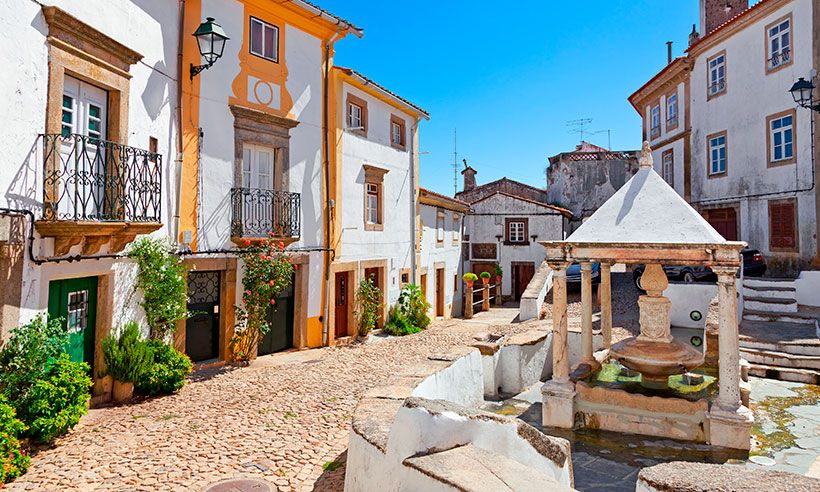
(280, 336)
(75, 301)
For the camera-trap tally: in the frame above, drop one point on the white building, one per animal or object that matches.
(728, 135)
(79, 87)
(442, 223)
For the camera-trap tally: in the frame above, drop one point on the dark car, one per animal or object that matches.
(753, 266)
(574, 273)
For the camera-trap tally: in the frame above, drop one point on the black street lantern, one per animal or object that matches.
(210, 37)
(802, 93)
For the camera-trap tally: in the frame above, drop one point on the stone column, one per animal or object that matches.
(558, 393)
(586, 313)
(485, 297)
(468, 301)
(499, 300)
(730, 422)
(605, 293)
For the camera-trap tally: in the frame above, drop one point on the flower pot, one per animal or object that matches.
(122, 391)
(485, 281)
(498, 279)
(469, 283)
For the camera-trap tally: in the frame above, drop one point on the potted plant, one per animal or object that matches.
(499, 273)
(469, 278)
(127, 358)
(485, 278)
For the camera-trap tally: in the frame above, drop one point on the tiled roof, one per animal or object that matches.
(326, 12)
(729, 22)
(455, 203)
(350, 71)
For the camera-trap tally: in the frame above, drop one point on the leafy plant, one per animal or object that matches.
(499, 271)
(56, 402)
(168, 370)
(13, 463)
(127, 357)
(409, 314)
(469, 277)
(485, 275)
(161, 276)
(268, 271)
(368, 304)
(30, 349)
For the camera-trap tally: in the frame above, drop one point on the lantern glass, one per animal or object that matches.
(802, 92)
(210, 38)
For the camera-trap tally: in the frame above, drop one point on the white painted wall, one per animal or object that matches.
(448, 252)
(808, 288)
(146, 26)
(487, 220)
(395, 241)
(751, 96)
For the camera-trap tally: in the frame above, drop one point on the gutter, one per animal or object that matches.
(340, 23)
(178, 161)
(413, 235)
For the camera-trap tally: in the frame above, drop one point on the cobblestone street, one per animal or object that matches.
(284, 419)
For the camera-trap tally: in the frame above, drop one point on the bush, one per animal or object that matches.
(409, 314)
(128, 357)
(469, 277)
(168, 370)
(485, 275)
(499, 272)
(57, 401)
(27, 354)
(13, 463)
(161, 276)
(368, 303)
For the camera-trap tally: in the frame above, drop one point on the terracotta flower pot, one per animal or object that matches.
(485, 281)
(123, 392)
(498, 279)
(469, 283)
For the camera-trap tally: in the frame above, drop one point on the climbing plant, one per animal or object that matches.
(268, 271)
(161, 277)
(368, 306)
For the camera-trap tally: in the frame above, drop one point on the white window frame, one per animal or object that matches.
(716, 70)
(440, 220)
(672, 110)
(516, 231)
(781, 132)
(777, 54)
(396, 133)
(372, 202)
(265, 27)
(354, 121)
(716, 145)
(252, 175)
(456, 227)
(655, 121)
(668, 167)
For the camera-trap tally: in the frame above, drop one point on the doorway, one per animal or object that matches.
(439, 292)
(75, 302)
(724, 220)
(522, 274)
(280, 316)
(342, 303)
(202, 329)
(423, 281)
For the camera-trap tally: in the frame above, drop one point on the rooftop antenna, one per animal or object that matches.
(579, 126)
(608, 137)
(455, 161)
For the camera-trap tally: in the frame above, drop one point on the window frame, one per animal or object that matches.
(725, 170)
(525, 231)
(770, 138)
(709, 94)
(795, 237)
(655, 130)
(264, 25)
(456, 220)
(353, 100)
(440, 226)
(768, 46)
(670, 179)
(373, 176)
(673, 125)
(400, 122)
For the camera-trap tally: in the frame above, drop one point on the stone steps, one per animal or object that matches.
(768, 282)
(776, 292)
(770, 304)
(806, 376)
(780, 359)
(788, 317)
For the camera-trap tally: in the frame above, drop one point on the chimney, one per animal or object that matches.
(469, 177)
(694, 36)
(713, 13)
(668, 52)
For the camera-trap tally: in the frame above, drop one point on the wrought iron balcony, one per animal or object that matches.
(89, 179)
(259, 213)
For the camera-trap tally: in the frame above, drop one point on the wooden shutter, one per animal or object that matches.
(782, 225)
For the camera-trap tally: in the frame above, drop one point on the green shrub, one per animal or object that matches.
(399, 324)
(161, 277)
(368, 304)
(127, 357)
(409, 314)
(168, 370)
(485, 275)
(499, 272)
(469, 277)
(57, 401)
(27, 354)
(13, 463)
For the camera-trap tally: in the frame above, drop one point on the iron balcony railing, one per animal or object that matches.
(89, 179)
(260, 213)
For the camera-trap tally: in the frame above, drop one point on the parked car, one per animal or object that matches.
(574, 273)
(753, 266)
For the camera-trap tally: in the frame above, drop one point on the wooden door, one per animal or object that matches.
(280, 335)
(423, 285)
(439, 292)
(724, 220)
(75, 302)
(342, 291)
(522, 275)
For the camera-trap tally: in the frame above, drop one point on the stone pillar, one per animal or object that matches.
(586, 313)
(558, 393)
(468, 302)
(485, 297)
(605, 293)
(498, 297)
(730, 422)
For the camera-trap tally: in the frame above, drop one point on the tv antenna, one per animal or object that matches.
(608, 137)
(579, 126)
(455, 161)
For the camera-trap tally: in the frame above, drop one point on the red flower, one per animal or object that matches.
(247, 242)
(281, 245)
(272, 283)
(273, 301)
(270, 234)
(295, 267)
(248, 292)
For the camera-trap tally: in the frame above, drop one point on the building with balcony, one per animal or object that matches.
(89, 141)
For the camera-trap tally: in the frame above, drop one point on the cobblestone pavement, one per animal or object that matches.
(284, 419)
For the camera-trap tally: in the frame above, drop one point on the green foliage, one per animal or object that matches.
(28, 352)
(368, 304)
(485, 275)
(13, 463)
(161, 276)
(268, 271)
(127, 357)
(469, 277)
(409, 314)
(168, 371)
(499, 272)
(57, 401)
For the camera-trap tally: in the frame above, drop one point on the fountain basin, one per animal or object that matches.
(656, 360)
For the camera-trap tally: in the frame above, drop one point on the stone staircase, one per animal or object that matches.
(779, 337)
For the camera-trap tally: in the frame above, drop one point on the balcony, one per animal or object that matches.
(97, 192)
(259, 213)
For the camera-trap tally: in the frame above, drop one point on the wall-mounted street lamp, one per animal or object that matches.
(802, 93)
(210, 37)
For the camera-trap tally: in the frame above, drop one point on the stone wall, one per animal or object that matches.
(503, 185)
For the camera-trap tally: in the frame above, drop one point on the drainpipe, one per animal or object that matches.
(178, 161)
(413, 236)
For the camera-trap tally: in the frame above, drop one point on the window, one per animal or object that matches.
(779, 44)
(398, 137)
(672, 111)
(68, 115)
(264, 40)
(405, 277)
(257, 167)
(356, 115)
(153, 149)
(516, 231)
(440, 226)
(655, 127)
(77, 319)
(783, 225)
(373, 198)
(668, 166)
(717, 153)
(781, 137)
(717, 74)
(456, 228)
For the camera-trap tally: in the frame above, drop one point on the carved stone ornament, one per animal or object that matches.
(646, 159)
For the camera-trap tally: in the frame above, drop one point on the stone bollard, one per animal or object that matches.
(498, 300)
(485, 298)
(468, 302)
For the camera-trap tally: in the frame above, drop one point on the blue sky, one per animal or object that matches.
(509, 75)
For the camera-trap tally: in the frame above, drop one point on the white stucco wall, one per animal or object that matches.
(741, 111)
(487, 220)
(447, 252)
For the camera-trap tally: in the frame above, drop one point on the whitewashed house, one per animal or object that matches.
(442, 223)
(90, 143)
